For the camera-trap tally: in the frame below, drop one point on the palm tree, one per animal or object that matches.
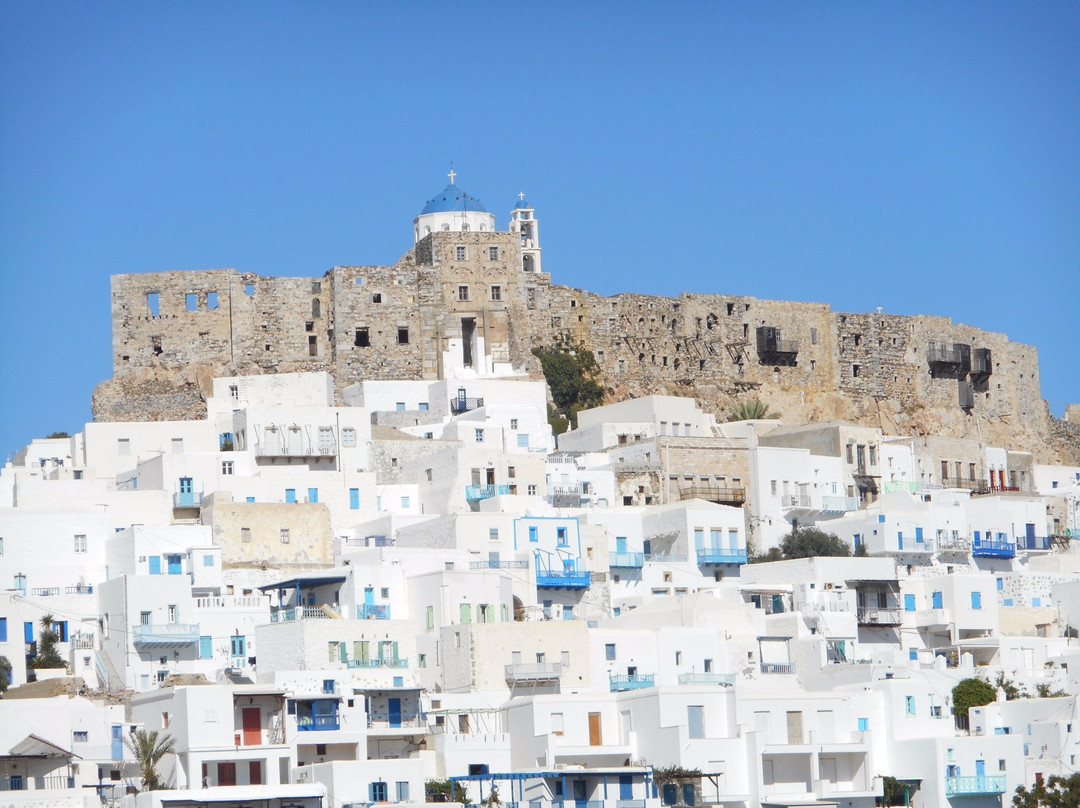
(149, 748)
(751, 411)
(47, 655)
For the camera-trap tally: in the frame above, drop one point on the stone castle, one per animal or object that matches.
(471, 299)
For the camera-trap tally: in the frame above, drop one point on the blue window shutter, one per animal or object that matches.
(976, 600)
(936, 600)
(3, 629)
(155, 564)
(354, 499)
(206, 647)
(28, 632)
(909, 603)
(313, 495)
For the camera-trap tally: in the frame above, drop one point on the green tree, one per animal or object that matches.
(571, 375)
(896, 792)
(972, 693)
(808, 542)
(440, 791)
(1053, 792)
(1012, 690)
(5, 673)
(753, 410)
(47, 655)
(57, 435)
(148, 748)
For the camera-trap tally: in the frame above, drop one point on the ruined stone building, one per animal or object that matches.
(471, 298)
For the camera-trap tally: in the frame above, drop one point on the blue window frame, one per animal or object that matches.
(290, 495)
(399, 406)
(3, 629)
(238, 646)
(864, 724)
(250, 499)
(379, 792)
(976, 600)
(28, 632)
(909, 705)
(912, 653)
(534, 533)
(523, 440)
(354, 499)
(206, 647)
(909, 603)
(560, 535)
(935, 598)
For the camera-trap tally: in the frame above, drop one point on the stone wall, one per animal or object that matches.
(872, 369)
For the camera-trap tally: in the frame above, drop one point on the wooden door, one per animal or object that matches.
(595, 737)
(794, 727)
(255, 772)
(226, 774)
(252, 725)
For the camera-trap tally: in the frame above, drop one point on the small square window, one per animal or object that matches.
(284, 535)
(496, 293)
(479, 436)
(377, 297)
(493, 253)
(80, 543)
(460, 252)
(348, 437)
(403, 336)
(363, 338)
(81, 736)
(404, 502)
(226, 468)
(463, 293)
(531, 490)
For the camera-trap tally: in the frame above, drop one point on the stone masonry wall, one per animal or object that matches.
(871, 369)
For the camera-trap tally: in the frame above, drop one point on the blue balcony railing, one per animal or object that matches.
(721, 555)
(630, 681)
(392, 662)
(311, 723)
(630, 560)
(975, 785)
(373, 611)
(993, 548)
(475, 493)
(494, 564)
(567, 579)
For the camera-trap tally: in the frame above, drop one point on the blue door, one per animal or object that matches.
(936, 596)
(313, 495)
(117, 742)
(155, 565)
(918, 534)
(369, 596)
(174, 564)
(354, 498)
(980, 768)
(187, 492)
(646, 547)
(394, 710)
(620, 545)
(626, 787)
(290, 495)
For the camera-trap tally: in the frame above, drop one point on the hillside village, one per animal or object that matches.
(328, 543)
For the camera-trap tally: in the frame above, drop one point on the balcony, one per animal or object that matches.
(491, 564)
(167, 635)
(772, 349)
(475, 493)
(975, 786)
(313, 723)
(914, 546)
(709, 493)
(721, 555)
(993, 548)
(44, 591)
(373, 611)
(879, 617)
(368, 541)
(628, 560)
(630, 681)
(707, 679)
(52, 782)
(79, 589)
(324, 612)
(405, 722)
(974, 486)
(566, 579)
(370, 664)
(464, 404)
(832, 504)
(1034, 543)
(533, 671)
(777, 667)
(187, 499)
(900, 486)
(299, 451)
(940, 353)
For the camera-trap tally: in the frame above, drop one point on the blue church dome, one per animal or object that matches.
(452, 198)
(520, 204)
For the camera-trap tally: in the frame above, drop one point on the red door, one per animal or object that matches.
(226, 774)
(255, 772)
(252, 726)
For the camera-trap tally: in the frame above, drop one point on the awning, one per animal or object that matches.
(33, 746)
(306, 583)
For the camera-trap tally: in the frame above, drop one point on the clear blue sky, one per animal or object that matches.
(924, 157)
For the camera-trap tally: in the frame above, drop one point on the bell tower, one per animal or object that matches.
(523, 222)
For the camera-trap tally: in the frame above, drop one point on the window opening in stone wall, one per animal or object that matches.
(403, 336)
(376, 297)
(316, 287)
(315, 307)
(527, 263)
(362, 339)
(155, 343)
(249, 289)
(191, 300)
(463, 293)
(309, 325)
(813, 336)
(211, 300)
(854, 370)
(468, 333)
(459, 253)
(496, 293)
(493, 253)
(152, 303)
(313, 345)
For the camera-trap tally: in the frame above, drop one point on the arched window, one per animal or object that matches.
(315, 307)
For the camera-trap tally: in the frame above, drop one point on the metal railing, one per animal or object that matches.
(533, 671)
(475, 493)
(54, 781)
(778, 667)
(373, 611)
(1034, 542)
(713, 494)
(993, 548)
(568, 579)
(879, 617)
(325, 612)
(498, 565)
(411, 722)
(82, 642)
(45, 591)
(914, 545)
(465, 404)
(311, 723)
(187, 499)
(900, 486)
(795, 500)
(391, 662)
(632, 560)
(975, 784)
(706, 678)
(630, 681)
(667, 558)
(165, 633)
(721, 555)
(79, 589)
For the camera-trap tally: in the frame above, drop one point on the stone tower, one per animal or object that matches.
(523, 222)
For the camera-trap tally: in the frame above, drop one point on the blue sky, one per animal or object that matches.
(924, 157)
